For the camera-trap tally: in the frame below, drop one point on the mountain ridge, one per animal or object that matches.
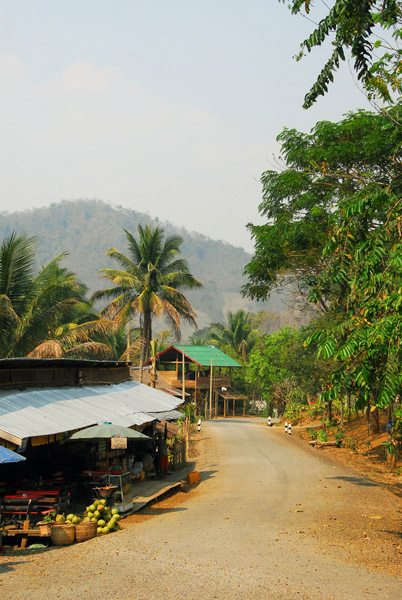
(86, 229)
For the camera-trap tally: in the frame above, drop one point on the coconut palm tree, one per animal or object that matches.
(44, 314)
(240, 334)
(149, 282)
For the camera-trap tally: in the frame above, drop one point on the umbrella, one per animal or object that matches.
(8, 456)
(106, 431)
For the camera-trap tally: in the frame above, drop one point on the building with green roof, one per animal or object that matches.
(207, 376)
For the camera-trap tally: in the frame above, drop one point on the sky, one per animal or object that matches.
(167, 107)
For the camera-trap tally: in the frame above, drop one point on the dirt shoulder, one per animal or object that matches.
(361, 452)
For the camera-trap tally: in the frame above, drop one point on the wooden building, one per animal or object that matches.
(205, 372)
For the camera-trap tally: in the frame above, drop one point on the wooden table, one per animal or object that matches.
(24, 533)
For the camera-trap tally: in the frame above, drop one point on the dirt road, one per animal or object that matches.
(270, 519)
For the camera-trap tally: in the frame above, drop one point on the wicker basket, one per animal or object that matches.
(85, 531)
(62, 534)
(45, 528)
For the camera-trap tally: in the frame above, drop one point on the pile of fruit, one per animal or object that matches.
(107, 519)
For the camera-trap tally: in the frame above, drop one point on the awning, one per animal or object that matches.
(170, 415)
(46, 411)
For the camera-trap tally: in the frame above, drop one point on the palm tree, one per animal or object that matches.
(149, 282)
(240, 334)
(40, 315)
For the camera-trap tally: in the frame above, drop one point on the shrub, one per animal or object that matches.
(339, 436)
(351, 443)
(312, 433)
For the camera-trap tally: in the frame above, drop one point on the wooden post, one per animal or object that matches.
(195, 394)
(244, 407)
(183, 391)
(224, 406)
(216, 402)
(153, 372)
(141, 378)
(210, 390)
(234, 405)
(24, 538)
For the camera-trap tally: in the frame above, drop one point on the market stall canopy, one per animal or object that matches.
(170, 415)
(105, 431)
(51, 411)
(8, 456)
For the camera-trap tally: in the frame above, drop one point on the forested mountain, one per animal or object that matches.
(86, 229)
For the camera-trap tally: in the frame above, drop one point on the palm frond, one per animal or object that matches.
(47, 349)
(124, 261)
(91, 349)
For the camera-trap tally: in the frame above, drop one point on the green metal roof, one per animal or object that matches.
(202, 355)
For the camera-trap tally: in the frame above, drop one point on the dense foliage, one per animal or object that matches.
(283, 370)
(44, 314)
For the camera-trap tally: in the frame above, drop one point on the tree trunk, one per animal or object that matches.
(349, 404)
(341, 398)
(329, 411)
(368, 415)
(146, 335)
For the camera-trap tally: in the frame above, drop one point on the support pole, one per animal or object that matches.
(210, 390)
(183, 391)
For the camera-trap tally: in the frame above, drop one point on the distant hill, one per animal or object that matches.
(86, 229)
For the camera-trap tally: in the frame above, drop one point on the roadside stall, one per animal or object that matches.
(112, 485)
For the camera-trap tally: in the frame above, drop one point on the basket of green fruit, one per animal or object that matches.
(86, 530)
(62, 534)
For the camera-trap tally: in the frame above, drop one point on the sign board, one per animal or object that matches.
(118, 443)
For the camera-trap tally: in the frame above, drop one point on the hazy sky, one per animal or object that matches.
(169, 107)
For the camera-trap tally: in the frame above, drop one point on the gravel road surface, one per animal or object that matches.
(270, 519)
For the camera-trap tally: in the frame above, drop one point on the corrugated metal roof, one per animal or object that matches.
(201, 355)
(47, 411)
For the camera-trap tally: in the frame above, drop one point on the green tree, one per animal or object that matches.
(302, 203)
(149, 282)
(358, 26)
(366, 337)
(239, 335)
(281, 368)
(363, 266)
